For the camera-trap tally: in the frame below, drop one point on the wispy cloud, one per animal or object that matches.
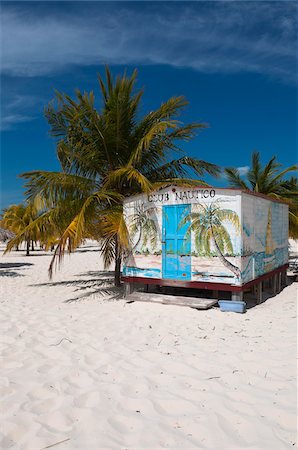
(243, 170)
(226, 37)
(8, 122)
(14, 109)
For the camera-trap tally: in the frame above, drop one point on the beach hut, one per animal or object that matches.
(206, 238)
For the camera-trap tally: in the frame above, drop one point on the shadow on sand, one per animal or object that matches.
(12, 273)
(14, 265)
(102, 286)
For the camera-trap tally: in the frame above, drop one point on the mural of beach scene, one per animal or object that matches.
(211, 242)
(226, 237)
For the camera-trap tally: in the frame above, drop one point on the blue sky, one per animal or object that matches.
(235, 62)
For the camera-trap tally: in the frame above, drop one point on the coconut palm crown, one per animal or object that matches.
(107, 154)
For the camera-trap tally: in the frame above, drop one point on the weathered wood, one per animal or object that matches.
(278, 282)
(259, 292)
(237, 296)
(284, 278)
(203, 285)
(128, 289)
(193, 302)
(274, 284)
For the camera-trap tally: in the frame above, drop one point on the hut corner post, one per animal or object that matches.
(259, 292)
(284, 280)
(237, 296)
(128, 289)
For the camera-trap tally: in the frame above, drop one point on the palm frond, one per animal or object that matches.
(128, 175)
(51, 187)
(234, 178)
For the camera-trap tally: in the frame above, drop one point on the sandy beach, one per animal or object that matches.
(84, 369)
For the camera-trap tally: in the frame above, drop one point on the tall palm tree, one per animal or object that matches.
(269, 179)
(108, 154)
(206, 222)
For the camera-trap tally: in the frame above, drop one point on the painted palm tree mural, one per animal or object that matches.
(143, 228)
(207, 224)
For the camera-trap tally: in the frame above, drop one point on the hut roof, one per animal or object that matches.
(5, 235)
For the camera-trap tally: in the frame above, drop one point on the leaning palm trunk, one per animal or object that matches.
(236, 271)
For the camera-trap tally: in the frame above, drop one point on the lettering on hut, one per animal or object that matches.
(181, 195)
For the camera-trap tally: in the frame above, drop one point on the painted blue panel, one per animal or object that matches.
(176, 248)
(139, 272)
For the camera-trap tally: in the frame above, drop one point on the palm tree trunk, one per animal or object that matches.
(117, 278)
(236, 271)
(32, 246)
(17, 248)
(28, 248)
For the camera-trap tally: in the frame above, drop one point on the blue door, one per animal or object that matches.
(176, 248)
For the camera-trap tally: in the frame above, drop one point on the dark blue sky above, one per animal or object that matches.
(234, 61)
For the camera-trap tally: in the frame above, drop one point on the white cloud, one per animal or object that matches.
(208, 37)
(243, 170)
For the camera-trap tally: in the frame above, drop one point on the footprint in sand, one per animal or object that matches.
(42, 393)
(56, 422)
(43, 406)
(88, 400)
(15, 432)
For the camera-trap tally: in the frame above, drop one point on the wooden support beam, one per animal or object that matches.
(274, 284)
(284, 279)
(128, 288)
(278, 282)
(237, 296)
(259, 292)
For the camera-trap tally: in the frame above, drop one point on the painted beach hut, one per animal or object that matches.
(206, 238)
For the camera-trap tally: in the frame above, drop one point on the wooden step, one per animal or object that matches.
(193, 302)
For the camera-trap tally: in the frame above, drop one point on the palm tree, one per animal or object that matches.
(17, 218)
(206, 222)
(107, 155)
(290, 194)
(269, 180)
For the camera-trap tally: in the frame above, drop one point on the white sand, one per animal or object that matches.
(105, 374)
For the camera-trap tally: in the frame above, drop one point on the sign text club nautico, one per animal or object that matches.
(210, 238)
